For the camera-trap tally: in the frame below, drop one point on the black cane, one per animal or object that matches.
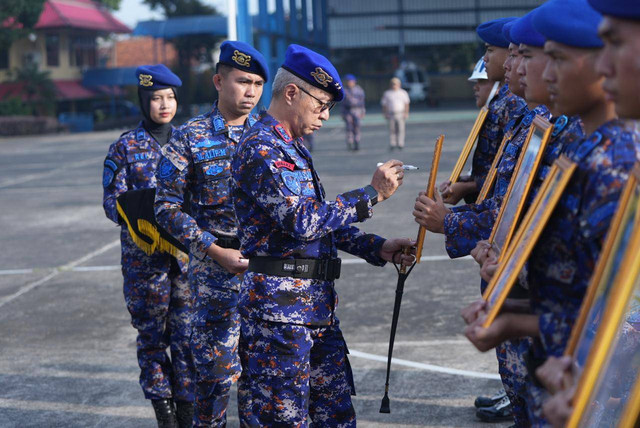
(403, 273)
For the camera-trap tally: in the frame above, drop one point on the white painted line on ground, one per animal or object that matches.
(16, 271)
(69, 266)
(76, 268)
(96, 268)
(31, 177)
(354, 261)
(422, 366)
(138, 412)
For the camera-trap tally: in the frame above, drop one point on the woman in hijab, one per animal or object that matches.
(156, 289)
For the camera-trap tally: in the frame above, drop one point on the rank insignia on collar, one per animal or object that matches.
(322, 77)
(283, 164)
(145, 80)
(283, 133)
(241, 58)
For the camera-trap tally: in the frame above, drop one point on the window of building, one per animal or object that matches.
(52, 42)
(4, 59)
(82, 52)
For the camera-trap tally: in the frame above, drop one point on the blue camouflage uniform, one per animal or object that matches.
(502, 108)
(564, 258)
(465, 225)
(293, 354)
(511, 354)
(197, 162)
(156, 289)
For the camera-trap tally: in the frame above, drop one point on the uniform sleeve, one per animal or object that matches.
(463, 230)
(555, 330)
(364, 245)
(173, 173)
(276, 192)
(114, 179)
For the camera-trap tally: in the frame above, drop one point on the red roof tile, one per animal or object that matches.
(79, 14)
(72, 90)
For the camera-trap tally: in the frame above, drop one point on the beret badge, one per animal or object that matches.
(322, 77)
(241, 58)
(145, 80)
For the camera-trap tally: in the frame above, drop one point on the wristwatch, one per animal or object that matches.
(373, 194)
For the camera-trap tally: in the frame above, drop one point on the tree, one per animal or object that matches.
(190, 48)
(37, 86)
(110, 4)
(17, 18)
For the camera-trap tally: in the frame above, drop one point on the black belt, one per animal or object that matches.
(227, 241)
(322, 269)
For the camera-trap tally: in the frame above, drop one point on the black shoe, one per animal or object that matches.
(502, 411)
(184, 414)
(165, 413)
(490, 401)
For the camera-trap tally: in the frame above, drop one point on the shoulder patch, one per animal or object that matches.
(283, 164)
(291, 181)
(107, 177)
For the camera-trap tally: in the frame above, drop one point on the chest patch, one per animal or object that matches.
(166, 168)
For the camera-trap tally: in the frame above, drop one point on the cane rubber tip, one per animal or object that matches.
(384, 407)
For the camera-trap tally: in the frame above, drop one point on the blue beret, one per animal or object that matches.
(156, 77)
(571, 22)
(244, 57)
(522, 31)
(506, 31)
(314, 69)
(349, 77)
(491, 32)
(626, 9)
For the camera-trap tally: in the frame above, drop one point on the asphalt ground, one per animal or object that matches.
(67, 349)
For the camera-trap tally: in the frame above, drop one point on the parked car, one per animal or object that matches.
(414, 80)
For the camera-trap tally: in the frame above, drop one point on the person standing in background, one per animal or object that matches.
(395, 106)
(353, 111)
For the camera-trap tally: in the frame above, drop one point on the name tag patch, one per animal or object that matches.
(212, 154)
(140, 156)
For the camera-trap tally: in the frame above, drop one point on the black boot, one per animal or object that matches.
(165, 413)
(184, 413)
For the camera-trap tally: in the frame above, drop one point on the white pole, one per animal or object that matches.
(232, 29)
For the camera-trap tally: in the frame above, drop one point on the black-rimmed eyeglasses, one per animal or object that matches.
(323, 106)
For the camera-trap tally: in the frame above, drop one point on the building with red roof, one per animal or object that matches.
(64, 43)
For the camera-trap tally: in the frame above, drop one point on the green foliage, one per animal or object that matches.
(110, 4)
(14, 107)
(22, 15)
(37, 87)
(194, 47)
(174, 8)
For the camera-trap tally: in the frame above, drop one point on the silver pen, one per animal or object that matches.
(405, 167)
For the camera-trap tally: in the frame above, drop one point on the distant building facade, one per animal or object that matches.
(371, 38)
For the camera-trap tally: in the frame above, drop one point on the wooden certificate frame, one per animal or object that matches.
(611, 358)
(493, 170)
(522, 179)
(607, 270)
(527, 235)
(468, 146)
